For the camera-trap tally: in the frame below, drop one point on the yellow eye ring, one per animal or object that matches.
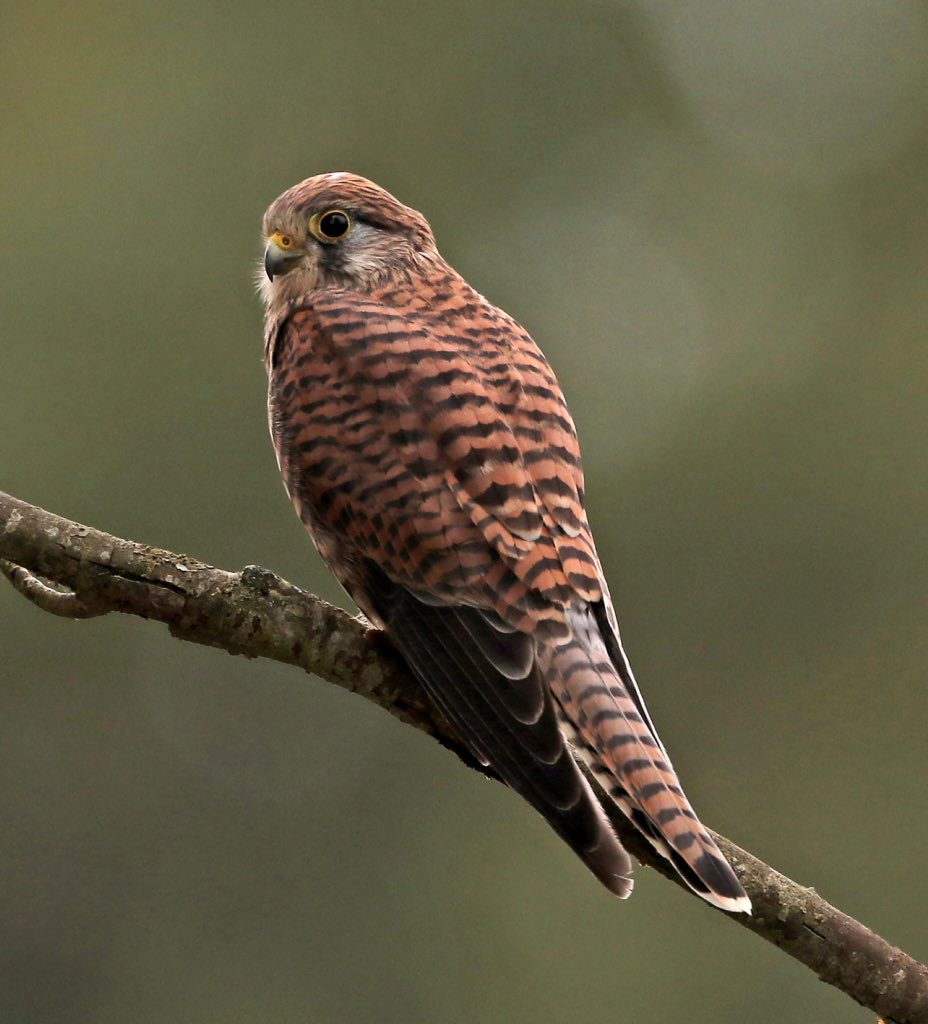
(330, 226)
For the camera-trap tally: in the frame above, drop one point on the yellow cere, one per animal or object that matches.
(281, 240)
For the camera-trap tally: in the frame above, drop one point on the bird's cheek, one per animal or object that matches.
(332, 259)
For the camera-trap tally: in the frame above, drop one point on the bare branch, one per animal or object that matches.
(65, 603)
(257, 614)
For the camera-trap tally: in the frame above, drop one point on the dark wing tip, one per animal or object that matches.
(471, 670)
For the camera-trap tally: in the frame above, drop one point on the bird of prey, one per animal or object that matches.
(426, 445)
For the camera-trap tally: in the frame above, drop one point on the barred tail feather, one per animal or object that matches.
(613, 734)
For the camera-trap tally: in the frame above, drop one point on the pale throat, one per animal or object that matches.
(284, 288)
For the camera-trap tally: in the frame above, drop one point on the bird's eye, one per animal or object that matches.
(330, 226)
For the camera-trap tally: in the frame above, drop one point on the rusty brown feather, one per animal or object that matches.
(427, 447)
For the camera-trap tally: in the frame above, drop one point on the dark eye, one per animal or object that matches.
(329, 226)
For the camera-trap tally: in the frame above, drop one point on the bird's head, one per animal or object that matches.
(340, 230)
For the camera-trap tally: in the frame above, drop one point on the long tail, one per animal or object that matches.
(612, 732)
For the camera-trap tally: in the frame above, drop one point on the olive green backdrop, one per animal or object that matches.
(713, 219)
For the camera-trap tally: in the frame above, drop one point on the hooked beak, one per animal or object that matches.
(277, 261)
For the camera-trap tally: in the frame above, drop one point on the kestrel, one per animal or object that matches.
(427, 448)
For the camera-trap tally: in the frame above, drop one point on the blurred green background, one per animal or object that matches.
(713, 219)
